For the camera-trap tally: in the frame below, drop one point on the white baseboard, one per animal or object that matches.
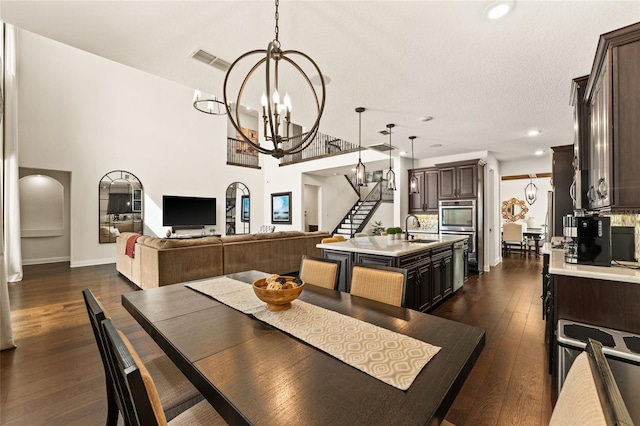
(93, 262)
(45, 260)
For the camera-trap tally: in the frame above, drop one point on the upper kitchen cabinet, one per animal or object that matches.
(563, 175)
(613, 97)
(459, 180)
(426, 201)
(581, 127)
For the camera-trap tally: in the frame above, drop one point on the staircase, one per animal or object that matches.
(357, 218)
(359, 215)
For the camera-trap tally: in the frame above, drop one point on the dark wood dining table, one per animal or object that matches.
(253, 373)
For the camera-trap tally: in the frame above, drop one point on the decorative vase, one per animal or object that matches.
(391, 237)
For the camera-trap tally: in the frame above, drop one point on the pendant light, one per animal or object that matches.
(414, 184)
(276, 110)
(361, 175)
(531, 191)
(391, 176)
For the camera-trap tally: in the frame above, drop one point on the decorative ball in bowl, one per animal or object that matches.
(278, 291)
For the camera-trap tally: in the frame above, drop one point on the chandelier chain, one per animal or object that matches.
(277, 15)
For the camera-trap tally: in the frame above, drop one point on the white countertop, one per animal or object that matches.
(383, 247)
(557, 266)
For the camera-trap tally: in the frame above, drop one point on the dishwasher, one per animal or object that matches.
(458, 264)
(621, 349)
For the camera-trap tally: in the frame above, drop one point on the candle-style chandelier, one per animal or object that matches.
(276, 110)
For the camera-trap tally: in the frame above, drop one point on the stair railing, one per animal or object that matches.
(375, 195)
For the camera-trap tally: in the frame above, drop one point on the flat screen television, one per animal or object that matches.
(188, 212)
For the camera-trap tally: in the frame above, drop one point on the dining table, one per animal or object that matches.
(536, 234)
(254, 373)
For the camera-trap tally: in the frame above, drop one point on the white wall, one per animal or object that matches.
(87, 115)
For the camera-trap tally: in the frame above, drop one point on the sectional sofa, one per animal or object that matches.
(163, 261)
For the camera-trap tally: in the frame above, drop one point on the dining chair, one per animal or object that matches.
(590, 395)
(176, 391)
(381, 283)
(320, 272)
(137, 391)
(329, 240)
(512, 236)
(339, 237)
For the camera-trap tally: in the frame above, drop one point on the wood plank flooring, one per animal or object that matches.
(55, 376)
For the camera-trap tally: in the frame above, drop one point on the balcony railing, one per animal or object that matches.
(240, 153)
(322, 146)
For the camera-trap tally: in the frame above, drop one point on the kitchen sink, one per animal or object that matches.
(424, 241)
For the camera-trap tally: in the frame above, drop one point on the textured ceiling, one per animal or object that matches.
(486, 82)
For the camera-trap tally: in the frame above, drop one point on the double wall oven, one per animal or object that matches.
(460, 218)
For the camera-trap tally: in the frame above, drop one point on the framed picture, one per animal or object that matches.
(281, 208)
(245, 209)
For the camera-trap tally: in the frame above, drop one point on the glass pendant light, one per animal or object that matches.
(391, 176)
(361, 175)
(414, 185)
(531, 192)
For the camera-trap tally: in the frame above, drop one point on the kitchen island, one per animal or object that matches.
(428, 260)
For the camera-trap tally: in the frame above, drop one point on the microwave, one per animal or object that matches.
(457, 215)
(593, 240)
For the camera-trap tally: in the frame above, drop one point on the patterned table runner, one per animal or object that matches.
(388, 356)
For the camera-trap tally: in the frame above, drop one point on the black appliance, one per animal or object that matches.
(593, 240)
(623, 243)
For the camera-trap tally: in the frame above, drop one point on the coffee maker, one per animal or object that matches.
(593, 238)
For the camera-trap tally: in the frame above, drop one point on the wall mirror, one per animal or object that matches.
(238, 209)
(120, 206)
(514, 209)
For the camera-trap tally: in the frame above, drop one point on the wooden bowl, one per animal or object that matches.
(277, 300)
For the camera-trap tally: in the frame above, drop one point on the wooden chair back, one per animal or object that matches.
(97, 314)
(320, 272)
(135, 387)
(590, 394)
(382, 283)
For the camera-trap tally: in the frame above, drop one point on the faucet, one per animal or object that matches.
(406, 226)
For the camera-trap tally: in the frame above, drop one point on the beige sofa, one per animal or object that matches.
(161, 261)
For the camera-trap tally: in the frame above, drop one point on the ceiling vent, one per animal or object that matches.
(382, 147)
(211, 60)
(384, 132)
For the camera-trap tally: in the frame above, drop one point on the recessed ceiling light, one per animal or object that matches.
(539, 152)
(315, 80)
(533, 132)
(499, 9)
(435, 145)
(353, 170)
(426, 118)
(403, 152)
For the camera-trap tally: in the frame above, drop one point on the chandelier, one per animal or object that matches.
(212, 106)
(414, 184)
(391, 176)
(531, 191)
(276, 111)
(361, 175)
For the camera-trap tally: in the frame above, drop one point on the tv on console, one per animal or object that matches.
(188, 212)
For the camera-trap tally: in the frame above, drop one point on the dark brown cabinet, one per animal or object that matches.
(581, 126)
(563, 173)
(459, 180)
(426, 201)
(613, 97)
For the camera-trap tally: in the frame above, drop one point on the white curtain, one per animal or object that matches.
(10, 253)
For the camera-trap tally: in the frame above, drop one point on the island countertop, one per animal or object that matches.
(557, 266)
(381, 245)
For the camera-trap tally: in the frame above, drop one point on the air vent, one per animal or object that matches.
(382, 147)
(384, 132)
(209, 59)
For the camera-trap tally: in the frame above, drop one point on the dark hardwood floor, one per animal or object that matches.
(55, 376)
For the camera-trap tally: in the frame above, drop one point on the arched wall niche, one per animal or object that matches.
(41, 206)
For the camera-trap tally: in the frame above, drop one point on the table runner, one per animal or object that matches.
(390, 357)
